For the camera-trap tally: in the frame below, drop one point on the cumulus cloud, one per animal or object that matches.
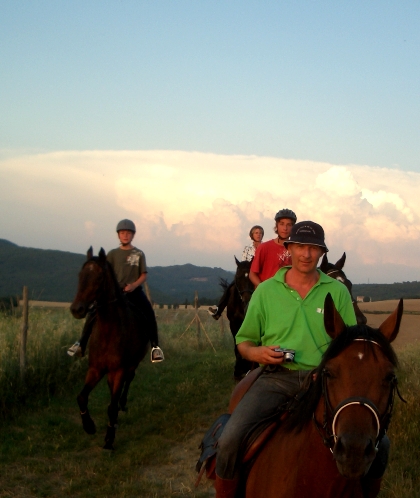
(198, 208)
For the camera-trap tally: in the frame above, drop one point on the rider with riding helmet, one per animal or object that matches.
(272, 255)
(129, 265)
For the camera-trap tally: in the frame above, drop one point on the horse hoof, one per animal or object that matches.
(90, 427)
(108, 446)
(123, 409)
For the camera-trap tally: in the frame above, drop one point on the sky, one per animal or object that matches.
(199, 119)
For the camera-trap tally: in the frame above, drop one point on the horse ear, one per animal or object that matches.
(324, 264)
(391, 326)
(333, 322)
(89, 253)
(341, 261)
(237, 262)
(102, 254)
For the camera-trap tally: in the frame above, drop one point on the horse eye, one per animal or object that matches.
(390, 378)
(327, 373)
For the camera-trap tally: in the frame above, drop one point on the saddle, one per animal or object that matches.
(207, 461)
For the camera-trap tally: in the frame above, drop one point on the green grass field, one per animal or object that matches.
(45, 453)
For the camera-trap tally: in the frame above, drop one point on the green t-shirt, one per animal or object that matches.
(277, 315)
(128, 265)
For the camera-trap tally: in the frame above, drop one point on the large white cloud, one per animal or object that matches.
(198, 208)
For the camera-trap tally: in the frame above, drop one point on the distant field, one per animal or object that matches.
(410, 324)
(409, 305)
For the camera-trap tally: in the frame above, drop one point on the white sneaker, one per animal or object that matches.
(212, 310)
(156, 355)
(75, 350)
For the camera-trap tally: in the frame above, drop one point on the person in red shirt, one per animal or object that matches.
(272, 255)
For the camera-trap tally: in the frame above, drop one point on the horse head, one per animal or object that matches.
(336, 271)
(242, 282)
(91, 284)
(358, 388)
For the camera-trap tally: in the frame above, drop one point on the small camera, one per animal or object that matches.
(289, 354)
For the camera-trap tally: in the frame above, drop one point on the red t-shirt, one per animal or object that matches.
(269, 258)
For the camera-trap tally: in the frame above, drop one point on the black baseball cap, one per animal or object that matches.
(307, 232)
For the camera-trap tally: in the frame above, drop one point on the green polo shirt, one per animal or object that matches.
(277, 315)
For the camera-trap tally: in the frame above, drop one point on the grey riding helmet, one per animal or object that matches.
(126, 225)
(285, 213)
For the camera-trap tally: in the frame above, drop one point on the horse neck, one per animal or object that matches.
(111, 294)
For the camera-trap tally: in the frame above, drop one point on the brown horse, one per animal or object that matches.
(336, 271)
(117, 344)
(329, 443)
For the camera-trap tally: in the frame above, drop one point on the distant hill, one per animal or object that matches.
(383, 292)
(52, 276)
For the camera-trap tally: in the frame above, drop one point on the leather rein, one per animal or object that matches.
(327, 430)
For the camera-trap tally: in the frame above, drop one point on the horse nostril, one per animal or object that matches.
(77, 310)
(370, 448)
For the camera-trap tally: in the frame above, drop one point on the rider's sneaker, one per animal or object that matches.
(75, 350)
(213, 311)
(156, 355)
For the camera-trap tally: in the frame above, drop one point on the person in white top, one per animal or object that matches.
(256, 233)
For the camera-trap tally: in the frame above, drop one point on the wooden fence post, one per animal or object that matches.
(24, 333)
(197, 320)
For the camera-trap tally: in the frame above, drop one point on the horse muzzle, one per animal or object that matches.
(78, 310)
(354, 455)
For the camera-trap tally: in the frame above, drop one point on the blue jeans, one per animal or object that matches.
(263, 401)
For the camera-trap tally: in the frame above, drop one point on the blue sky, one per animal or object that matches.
(328, 81)
(313, 85)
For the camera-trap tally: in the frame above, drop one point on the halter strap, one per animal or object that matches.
(355, 401)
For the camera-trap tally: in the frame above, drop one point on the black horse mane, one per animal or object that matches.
(303, 413)
(224, 284)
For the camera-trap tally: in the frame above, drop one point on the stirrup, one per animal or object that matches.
(156, 355)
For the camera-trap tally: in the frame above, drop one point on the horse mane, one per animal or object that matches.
(224, 284)
(303, 413)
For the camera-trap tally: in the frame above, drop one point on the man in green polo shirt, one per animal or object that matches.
(285, 311)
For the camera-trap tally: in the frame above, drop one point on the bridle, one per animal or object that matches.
(244, 291)
(332, 271)
(328, 429)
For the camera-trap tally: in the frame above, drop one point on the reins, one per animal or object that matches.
(328, 430)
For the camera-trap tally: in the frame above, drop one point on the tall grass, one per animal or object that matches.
(402, 478)
(44, 451)
(48, 370)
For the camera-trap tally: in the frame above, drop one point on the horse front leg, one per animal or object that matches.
(124, 395)
(92, 379)
(115, 383)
